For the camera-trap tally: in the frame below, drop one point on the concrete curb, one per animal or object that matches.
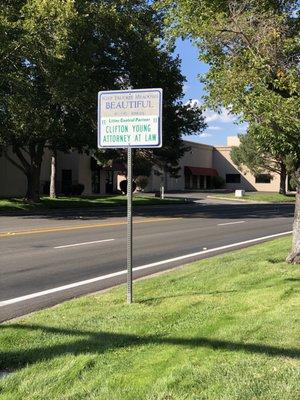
(249, 201)
(238, 200)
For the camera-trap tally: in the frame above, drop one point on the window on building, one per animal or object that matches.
(263, 178)
(187, 181)
(202, 182)
(195, 182)
(109, 186)
(233, 178)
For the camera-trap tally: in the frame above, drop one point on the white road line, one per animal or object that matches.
(232, 223)
(84, 243)
(124, 271)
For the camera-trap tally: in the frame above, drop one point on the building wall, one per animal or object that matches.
(218, 158)
(198, 155)
(102, 183)
(13, 181)
(85, 173)
(224, 165)
(233, 141)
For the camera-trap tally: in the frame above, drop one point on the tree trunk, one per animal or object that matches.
(164, 183)
(294, 256)
(282, 189)
(30, 161)
(33, 185)
(53, 175)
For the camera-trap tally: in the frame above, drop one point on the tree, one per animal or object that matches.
(148, 62)
(33, 43)
(141, 182)
(179, 121)
(57, 55)
(250, 155)
(252, 47)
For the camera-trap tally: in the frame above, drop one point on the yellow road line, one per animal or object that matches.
(76, 227)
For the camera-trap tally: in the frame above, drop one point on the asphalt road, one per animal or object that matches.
(41, 253)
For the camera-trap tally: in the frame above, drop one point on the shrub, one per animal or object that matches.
(123, 186)
(292, 185)
(142, 181)
(218, 182)
(77, 189)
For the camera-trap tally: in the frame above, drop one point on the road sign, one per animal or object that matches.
(130, 118)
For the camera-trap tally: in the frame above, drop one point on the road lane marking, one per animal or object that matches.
(232, 223)
(76, 227)
(124, 271)
(83, 244)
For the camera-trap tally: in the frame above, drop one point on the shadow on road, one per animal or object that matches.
(189, 210)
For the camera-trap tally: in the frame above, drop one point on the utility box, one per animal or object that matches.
(239, 193)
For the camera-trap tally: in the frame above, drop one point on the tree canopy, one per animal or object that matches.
(252, 49)
(250, 156)
(57, 54)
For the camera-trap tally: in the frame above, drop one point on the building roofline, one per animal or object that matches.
(223, 147)
(190, 142)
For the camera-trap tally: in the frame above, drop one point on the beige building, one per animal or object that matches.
(198, 168)
(202, 163)
(72, 169)
(235, 179)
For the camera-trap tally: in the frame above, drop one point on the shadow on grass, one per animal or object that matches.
(157, 299)
(292, 279)
(65, 205)
(99, 342)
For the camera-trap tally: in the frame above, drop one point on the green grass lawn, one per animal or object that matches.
(259, 196)
(84, 202)
(222, 328)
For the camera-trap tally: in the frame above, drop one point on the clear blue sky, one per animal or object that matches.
(219, 125)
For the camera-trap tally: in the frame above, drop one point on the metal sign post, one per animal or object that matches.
(129, 225)
(130, 119)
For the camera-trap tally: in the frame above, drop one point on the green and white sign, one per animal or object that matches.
(130, 118)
